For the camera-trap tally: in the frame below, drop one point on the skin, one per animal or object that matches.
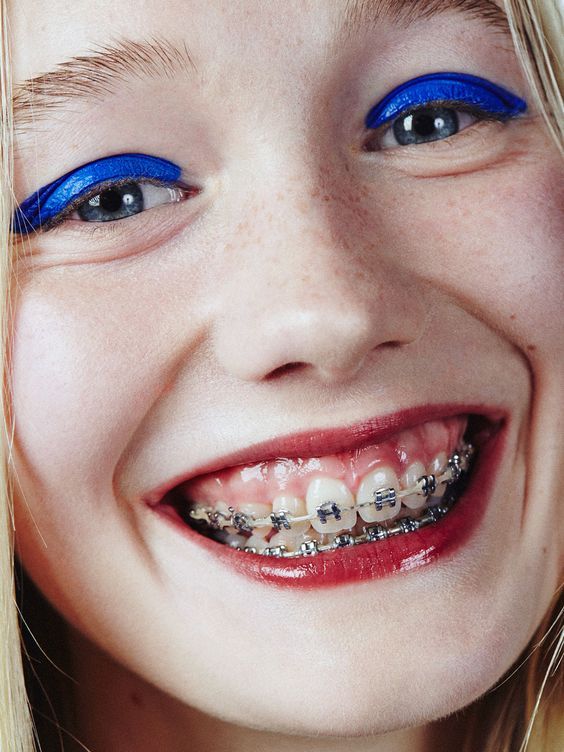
(312, 284)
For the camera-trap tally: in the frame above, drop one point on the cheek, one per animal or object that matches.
(502, 253)
(67, 387)
(88, 363)
(81, 384)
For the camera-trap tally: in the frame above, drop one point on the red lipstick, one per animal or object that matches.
(395, 555)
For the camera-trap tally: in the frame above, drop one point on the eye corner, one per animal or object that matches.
(188, 191)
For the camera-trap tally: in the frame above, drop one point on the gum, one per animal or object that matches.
(261, 482)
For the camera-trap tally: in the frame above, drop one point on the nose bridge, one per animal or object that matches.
(305, 289)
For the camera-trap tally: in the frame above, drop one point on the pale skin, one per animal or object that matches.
(310, 285)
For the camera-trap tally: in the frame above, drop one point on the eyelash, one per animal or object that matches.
(480, 114)
(446, 90)
(54, 202)
(184, 191)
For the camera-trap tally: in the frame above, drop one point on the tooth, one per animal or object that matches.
(294, 506)
(222, 507)
(258, 511)
(236, 541)
(382, 477)
(312, 534)
(437, 467)
(408, 480)
(327, 491)
(287, 538)
(257, 541)
(438, 463)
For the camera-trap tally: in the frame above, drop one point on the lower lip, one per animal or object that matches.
(369, 561)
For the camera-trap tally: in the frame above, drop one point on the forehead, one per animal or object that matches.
(47, 33)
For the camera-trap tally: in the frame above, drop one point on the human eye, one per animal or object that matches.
(105, 190)
(435, 107)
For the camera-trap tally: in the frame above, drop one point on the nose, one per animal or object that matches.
(299, 297)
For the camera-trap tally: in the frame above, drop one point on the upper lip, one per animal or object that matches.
(320, 442)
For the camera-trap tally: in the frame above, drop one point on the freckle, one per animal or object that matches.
(136, 699)
(544, 549)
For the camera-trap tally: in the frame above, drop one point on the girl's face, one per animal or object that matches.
(288, 293)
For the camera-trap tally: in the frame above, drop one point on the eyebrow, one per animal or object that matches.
(96, 74)
(362, 13)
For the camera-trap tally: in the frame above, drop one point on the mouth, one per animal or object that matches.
(363, 502)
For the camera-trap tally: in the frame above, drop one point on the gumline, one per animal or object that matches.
(458, 463)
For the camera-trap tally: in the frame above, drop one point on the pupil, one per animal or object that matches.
(111, 200)
(430, 125)
(425, 124)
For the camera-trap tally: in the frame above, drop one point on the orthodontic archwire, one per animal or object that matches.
(426, 485)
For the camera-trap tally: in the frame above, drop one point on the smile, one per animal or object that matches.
(428, 496)
(368, 500)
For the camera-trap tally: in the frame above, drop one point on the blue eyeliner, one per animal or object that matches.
(452, 87)
(48, 202)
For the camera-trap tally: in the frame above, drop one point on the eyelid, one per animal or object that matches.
(50, 201)
(459, 87)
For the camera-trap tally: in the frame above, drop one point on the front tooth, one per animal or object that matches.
(437, 467)
(409, 480)
(295, 506)
(381, 478)
(327, 491)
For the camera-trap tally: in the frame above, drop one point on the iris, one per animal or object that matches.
(116, 202)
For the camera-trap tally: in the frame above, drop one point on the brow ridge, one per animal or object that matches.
(360, 13)
(95, 74)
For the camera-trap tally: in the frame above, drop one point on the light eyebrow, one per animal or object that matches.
(95, 74)
(361, 13)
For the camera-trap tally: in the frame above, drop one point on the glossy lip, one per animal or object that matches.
(321, 442)
(395, 555)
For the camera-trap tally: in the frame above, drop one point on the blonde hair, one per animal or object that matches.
(537, 29)
(524, 711)
(15, 718)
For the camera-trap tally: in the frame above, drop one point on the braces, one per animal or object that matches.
(370, 534)
(426, 485)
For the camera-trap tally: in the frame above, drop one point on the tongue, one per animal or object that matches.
(262, 481)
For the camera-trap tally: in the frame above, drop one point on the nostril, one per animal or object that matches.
(285, 369)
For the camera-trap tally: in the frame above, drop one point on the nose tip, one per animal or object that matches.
(335, 348)
(328, 332)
